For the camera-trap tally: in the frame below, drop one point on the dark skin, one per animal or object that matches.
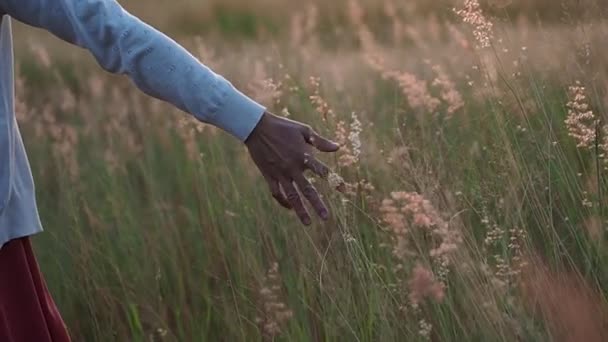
(282, 150)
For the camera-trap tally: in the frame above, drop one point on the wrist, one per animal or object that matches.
(259, 127)
(239, 114)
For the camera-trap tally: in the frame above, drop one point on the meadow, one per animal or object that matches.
(474, 154)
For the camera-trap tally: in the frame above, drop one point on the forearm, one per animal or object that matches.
(159, 66)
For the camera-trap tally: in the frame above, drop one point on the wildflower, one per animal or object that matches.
(275, 312)
(581, 121)
(349, 153)
(335, 181)
(482, 27)
(348, 238)
(424, 329)
(509, 265)
(587, 203)
(603, 146)
(494, 235)
(353, 137)
(161, 332)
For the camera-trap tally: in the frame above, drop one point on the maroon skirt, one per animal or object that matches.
(27, 311)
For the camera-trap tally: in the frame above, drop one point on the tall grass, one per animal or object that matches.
(471, 210)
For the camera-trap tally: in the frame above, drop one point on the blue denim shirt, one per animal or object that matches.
(121, 44)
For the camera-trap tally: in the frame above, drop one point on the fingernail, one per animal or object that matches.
(324, 214)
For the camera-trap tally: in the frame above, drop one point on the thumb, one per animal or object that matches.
(320, 143)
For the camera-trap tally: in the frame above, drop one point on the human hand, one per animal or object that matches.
(282, 150)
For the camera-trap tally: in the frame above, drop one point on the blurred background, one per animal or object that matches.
(474, 150)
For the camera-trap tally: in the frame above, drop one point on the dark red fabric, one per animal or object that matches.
(27, 311)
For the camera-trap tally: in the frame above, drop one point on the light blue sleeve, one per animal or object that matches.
(121, 43)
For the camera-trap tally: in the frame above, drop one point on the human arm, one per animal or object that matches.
(123, 44)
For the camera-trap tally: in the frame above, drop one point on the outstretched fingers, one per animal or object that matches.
(311, 194)
(316, 166)
(275, 190)
(320, 143)
(293, 197)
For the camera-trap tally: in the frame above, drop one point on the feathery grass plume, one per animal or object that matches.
(505, 265)
(341, 134)
(296, 29)
(457, 36)
(336, 182)
(356, 16)
(275, 312)
(65, 144)
(449, 94)
(122, 138)
(391, 12)
(408, 215)
(267, 91)
(422, 284)
(311, 21)
(603, 146)
(415, 90)
(354, 136)
(409, 212)
(349, 141)
(508, 269)
(64, 139)
(303, 32)
(68, 100)
(355, 13)
(321, 106)
(581, 122)
(188, 128)
(472, 14)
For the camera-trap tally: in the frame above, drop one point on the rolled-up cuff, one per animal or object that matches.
(238, 115)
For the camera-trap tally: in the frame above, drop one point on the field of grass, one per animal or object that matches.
(474, 148)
